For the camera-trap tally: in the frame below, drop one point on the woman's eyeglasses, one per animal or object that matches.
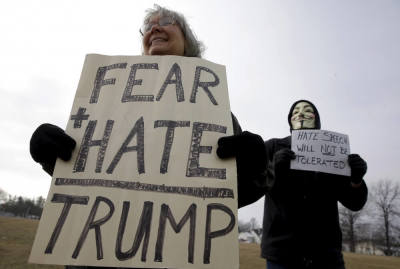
(163, 21)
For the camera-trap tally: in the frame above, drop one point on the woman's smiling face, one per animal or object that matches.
(162, 36)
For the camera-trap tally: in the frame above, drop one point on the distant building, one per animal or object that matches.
(6, 214)
(250, 237)
(365, 247)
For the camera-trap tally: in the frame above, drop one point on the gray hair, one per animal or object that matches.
(193, 46)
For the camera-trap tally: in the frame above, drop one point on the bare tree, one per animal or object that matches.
(348, 222)
(244, 226)
(3, 196)
(386, 197)
(254, 224)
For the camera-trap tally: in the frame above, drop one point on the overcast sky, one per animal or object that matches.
(342, 55)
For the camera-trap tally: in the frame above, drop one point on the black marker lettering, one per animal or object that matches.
(200, 192)
(79, 117)
(328, 150)
(167, 214)
(87, 142)
(169, 138)
(100, 81)
(210, 235)
(91, 224)
(305, 148)
(127, 96)
(175, 70)
(193, 168)
(197, 83)
(142, 232)
(300, 135)
(68, 201)
(137, 130)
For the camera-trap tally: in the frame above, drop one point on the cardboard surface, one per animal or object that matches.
(321, 150)
(144, 187)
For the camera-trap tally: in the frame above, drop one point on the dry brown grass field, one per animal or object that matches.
(250, 259)
(16, 237)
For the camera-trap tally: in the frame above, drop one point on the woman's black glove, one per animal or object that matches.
(249, 150)
(49, 142)
(358, 168)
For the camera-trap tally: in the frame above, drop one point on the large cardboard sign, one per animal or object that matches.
(320, 150)
(144, 187)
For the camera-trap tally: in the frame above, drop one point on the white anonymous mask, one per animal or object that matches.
(303, 116)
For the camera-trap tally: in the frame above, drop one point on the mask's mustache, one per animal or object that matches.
(301, 118)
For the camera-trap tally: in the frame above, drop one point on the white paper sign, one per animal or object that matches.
(320, 150)
(144, 187)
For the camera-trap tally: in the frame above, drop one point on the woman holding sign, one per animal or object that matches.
(301, 221)
(164, 32)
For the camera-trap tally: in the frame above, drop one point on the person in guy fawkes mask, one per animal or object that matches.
(301, 221)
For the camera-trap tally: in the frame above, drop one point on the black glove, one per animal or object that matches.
(249, 150)
(49, 142)
(358, 168)
(281, 160)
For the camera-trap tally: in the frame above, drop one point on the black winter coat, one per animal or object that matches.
(301, 220)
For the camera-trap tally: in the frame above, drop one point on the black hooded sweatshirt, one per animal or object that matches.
(301, 221)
